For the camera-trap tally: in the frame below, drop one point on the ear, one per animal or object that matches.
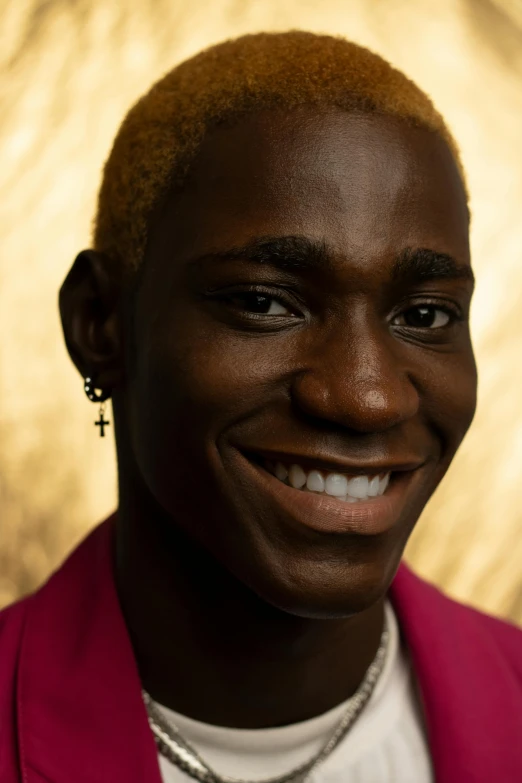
(89, 303)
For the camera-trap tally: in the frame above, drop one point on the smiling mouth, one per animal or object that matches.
(349, 488)
(338, 507)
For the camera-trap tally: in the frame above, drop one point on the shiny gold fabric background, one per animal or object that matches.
(69, 71)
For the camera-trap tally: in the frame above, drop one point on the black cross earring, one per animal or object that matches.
(90, 391)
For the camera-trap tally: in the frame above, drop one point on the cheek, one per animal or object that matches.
(220, 375)
(187, 392)
(450, 396)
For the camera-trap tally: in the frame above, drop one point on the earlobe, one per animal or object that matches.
(88, 303)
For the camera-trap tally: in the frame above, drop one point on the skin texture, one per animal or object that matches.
(236, 616)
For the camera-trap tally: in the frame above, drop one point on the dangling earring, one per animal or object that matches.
(94, 397)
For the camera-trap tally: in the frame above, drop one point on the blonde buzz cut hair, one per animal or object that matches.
(161, 134)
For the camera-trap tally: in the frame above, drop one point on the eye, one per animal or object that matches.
(261, 304)
(424, 317)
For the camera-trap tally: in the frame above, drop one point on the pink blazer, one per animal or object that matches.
(70, 698)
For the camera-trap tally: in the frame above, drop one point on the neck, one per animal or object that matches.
(208, 647)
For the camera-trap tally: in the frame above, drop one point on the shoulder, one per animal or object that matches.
(502, 634)
(12, 623)
(12, 619)
(468, 665)
(426, 609)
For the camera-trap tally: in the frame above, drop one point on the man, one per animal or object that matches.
(277, 301)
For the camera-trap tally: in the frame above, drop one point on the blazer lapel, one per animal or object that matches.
(80, 712)
(81, 717)
(471, 698)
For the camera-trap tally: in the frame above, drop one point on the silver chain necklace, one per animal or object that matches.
(176, 749)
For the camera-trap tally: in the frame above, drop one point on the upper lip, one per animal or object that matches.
(333, 464)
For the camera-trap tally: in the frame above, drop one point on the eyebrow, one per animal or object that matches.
(301, 254)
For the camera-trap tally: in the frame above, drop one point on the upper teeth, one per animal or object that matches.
(349, 489)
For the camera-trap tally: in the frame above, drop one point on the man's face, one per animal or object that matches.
(305, 299)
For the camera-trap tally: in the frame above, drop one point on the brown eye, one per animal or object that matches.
(261, 304)
(424, 317)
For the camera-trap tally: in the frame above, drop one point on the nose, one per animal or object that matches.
(359, 381)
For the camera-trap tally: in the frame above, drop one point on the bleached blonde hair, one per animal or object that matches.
(161, 133)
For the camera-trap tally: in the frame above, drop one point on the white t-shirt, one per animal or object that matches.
(387, 744)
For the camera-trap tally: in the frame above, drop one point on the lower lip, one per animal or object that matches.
(328, 514)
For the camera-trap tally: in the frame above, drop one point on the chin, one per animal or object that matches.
(324, 589)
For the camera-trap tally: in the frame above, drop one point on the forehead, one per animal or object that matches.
(368, 185)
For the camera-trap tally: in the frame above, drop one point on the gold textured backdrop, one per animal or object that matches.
(69, 71)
